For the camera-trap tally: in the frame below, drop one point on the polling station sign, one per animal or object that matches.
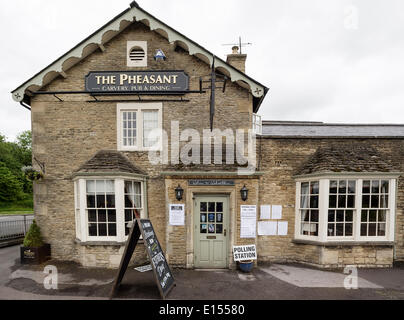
(243, 253)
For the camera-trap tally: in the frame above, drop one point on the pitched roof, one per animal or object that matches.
(319, 130)
(109, 161)
(346, 158)
(116, 26)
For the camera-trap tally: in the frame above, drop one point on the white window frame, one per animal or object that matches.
(324, 207)
(82, 224)
(139, 108)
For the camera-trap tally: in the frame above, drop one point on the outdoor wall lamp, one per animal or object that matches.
(244, 193)
(179, 193)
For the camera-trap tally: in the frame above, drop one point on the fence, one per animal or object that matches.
(14, 227)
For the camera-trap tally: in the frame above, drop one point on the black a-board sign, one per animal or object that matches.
(162, 272)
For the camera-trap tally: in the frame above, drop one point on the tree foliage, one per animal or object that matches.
(13, 156)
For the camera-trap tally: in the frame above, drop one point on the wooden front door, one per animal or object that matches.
(211, 226)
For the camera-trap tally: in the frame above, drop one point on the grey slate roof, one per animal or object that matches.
(319, 129)
(352, 158)
(109, 161)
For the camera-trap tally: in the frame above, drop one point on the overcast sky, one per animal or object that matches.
(324, 60)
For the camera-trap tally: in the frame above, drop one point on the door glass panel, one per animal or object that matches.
(211, 228)
(219, 217)
(203, 217)
(219, 228)
(212, 207)
(219, 207)
(211, 217)
(204, 228)
(204, 207)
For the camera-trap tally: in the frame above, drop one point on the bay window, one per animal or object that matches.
(345, 208)
(105, 206)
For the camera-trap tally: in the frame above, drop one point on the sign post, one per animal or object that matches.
(163, 275)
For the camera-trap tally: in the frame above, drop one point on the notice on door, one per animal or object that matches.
(244, 253)
(248, 222)
(177, 215)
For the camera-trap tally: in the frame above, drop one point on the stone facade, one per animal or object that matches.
(68, 133)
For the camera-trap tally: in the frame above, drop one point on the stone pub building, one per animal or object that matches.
(327, 195)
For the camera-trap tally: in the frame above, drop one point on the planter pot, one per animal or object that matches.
(246, 266)
(35, 255)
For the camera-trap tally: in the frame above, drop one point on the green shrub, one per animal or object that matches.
(33, 238)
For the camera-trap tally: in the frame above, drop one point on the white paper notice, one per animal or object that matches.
(177, 214)
(267, 228)
(282, 228)
(276, 212)
(265, 212)
(248, 222)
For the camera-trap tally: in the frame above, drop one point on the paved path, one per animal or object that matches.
(275, 282)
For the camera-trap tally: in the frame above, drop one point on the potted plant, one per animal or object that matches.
(246, 266)
(31, 174)
(34, 250)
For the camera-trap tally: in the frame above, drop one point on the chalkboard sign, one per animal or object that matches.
(160, 266)
(164, 277)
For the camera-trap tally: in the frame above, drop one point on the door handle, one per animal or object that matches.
(225, 232)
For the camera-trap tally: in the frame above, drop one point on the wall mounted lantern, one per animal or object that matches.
(244, 193)
(179, 193)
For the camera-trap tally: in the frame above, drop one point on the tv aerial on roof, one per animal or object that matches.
(239, 46)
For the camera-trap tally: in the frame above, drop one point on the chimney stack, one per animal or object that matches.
(236, 59)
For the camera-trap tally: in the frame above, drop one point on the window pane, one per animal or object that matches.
(305, 188)
(90, 201)
(128, 215)
(352, 187)
(92, 215)
(150, 122)
(364, 229)
(129, 203)
(211, 217)
(351, 202)
(212, 207)
(382, 216)
(100, 187)
(340, 215)
(340, 230)
(305, 215)
(384, 201)
(102, 216)
(219, 228)
(102, 228)
(110, 201)
(365, 201)
(112, 230)
(314, 216)
(349, 216)
(375, 186)
(349, 230)
(101, 201)
(92, 229)
(331, 216)
(333, 202)
(366, 186)
(341, 201)
(385, 186)
(331, 230)
(364, 217)
(342, 186)
(381, 229)
(219, 207)
(204, 206)
(111, 216)
(219, 217)
(212, 228)
(375, 202)
(372, 230)
(304, 203)
(314, 202)
(314, 188)
(372, 215)
(203, 218)
(90, 186)
(333, 186)
(204, 228)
